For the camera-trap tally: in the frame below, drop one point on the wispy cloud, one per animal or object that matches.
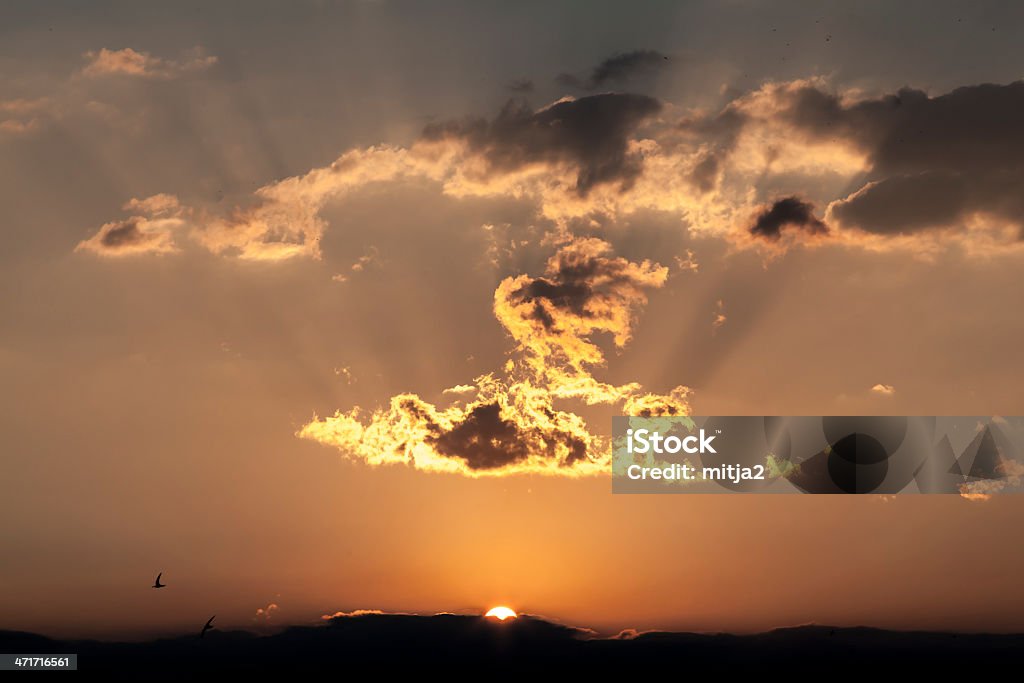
(140, 64)
(884, 389)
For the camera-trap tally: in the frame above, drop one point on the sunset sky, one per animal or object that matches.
(328, 306)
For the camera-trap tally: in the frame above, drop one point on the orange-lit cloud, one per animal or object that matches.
(150, 229)
(884, 389)
(141, 64)
(512, 424)
(266, 614)
(22, 115)
(687, 262)
(740, 173)
(353, 613)
(285, 222)
(554, 318)
(1010, 473)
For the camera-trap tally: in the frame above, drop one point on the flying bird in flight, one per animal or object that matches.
(157, 584)
(208, 626)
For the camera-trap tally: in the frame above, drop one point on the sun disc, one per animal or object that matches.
(501, 613)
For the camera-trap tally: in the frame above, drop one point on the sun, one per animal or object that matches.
(501, 613)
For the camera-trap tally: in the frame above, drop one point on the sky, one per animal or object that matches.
(327, 306)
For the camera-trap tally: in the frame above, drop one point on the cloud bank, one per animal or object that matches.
(926, 171)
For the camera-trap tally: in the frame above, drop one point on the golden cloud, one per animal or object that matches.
(512, 425)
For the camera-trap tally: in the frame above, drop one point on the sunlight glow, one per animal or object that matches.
(501, 613)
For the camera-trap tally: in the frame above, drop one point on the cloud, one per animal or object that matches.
(567, 148)
(750, 172)
(460, 389)
(935, 162)
(553, 318)
(788, 212)
(512, 425)
(625, 65)
(687, 262)
(266, 614)
(85, 96)
(346, 374)
(720, 317)
(1009, 473)
(21, 116)
(502, 243)
(150, 230)
(884, 389)
(618, 69)
(676, 402)
(370, 258)
(284, 220)
(356, 613)
(140, 64)
(588, 134)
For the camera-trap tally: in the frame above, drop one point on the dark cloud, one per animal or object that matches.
(123, 234)
(135, 235)
(583, 282)
(520, 85)
(790, 212)
(590, 133)
(719, 130)
(616, 70)
(903, 204)
(485, 440)
(570, 294)
(149, 231)
(625, 65)
(718, 134)
(935, 161)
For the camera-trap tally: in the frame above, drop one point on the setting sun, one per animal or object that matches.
(501, 613)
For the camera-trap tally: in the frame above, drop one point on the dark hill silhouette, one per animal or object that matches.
(462, 646)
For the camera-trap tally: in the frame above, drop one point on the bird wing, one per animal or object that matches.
(158, 577)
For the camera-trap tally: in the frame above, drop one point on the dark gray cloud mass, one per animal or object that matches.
(590, 133)
(935, 161)
(616, 70)
(625, 65)
(790, 212)
(484, 440)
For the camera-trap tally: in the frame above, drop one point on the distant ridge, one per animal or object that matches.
(461, 645)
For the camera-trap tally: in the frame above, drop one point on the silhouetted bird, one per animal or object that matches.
(157, 584)
(208, 626)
